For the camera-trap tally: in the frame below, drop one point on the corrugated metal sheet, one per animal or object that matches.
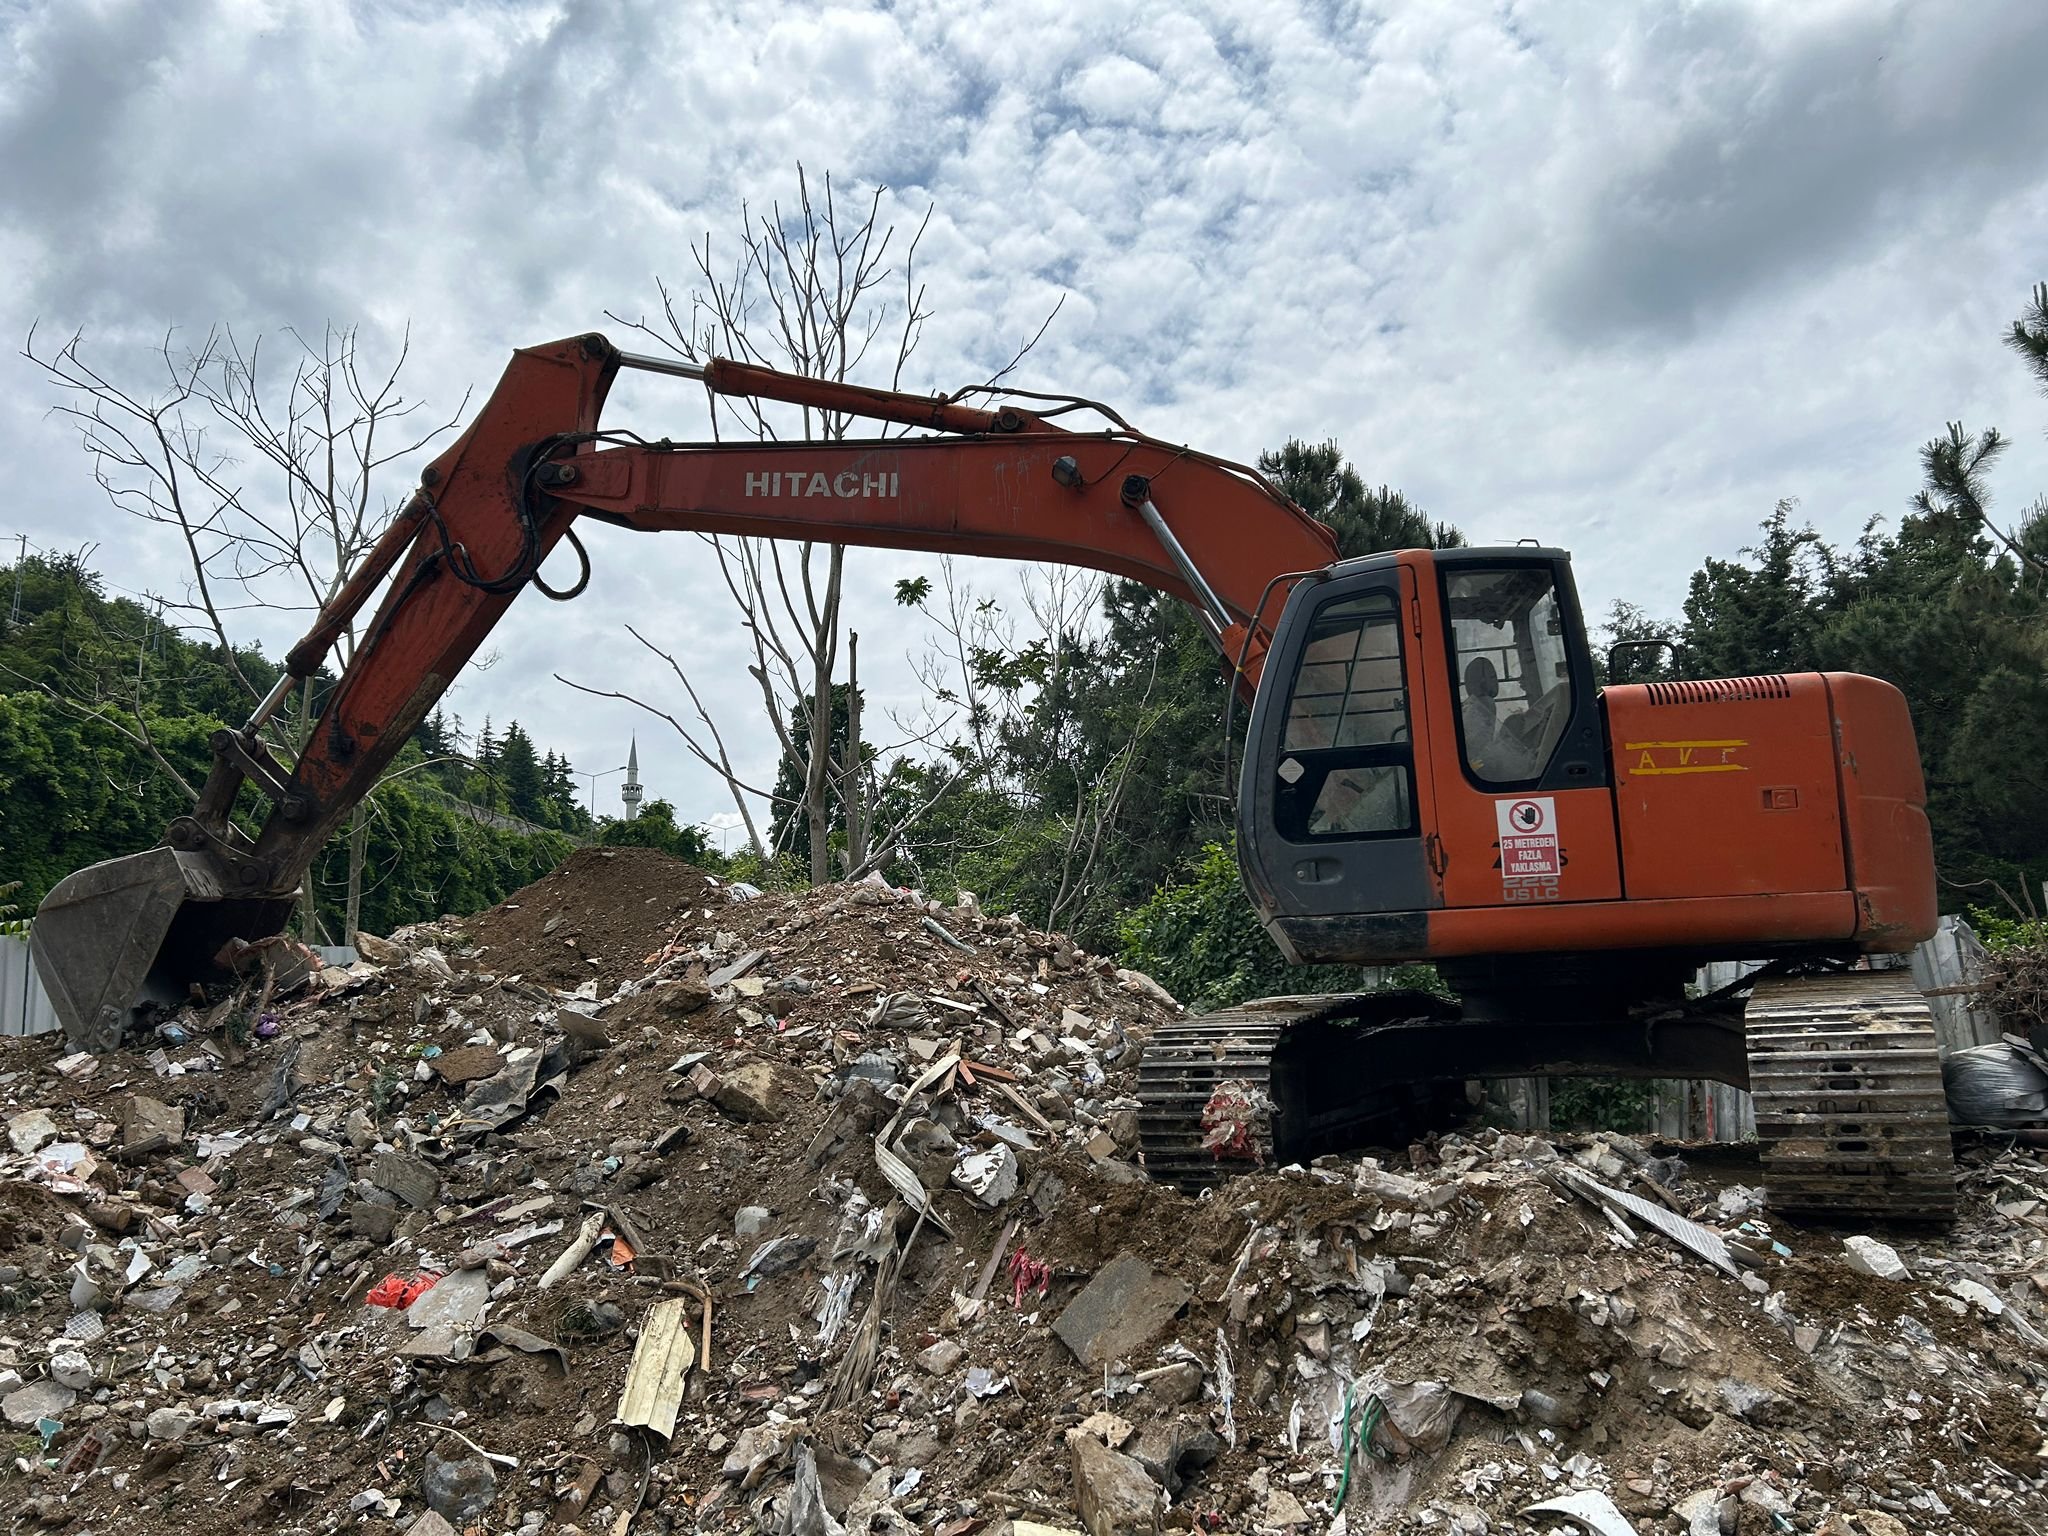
(24, 1006)
(663, 1357)
(1951, 960)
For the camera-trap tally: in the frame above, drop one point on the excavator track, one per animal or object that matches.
(1211, 1104)
(1845, 1073)
(1184, 1070)
(1844, 1069)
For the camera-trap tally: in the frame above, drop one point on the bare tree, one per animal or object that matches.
(270, 479)
(827, 287)
(807, 292)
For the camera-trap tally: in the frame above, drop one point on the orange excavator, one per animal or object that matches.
(1431, 772)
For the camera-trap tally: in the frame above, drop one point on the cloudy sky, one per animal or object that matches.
(1612, 276)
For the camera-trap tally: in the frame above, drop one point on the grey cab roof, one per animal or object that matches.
(1479, 554)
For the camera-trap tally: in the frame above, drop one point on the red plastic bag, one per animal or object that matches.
(393, 1291)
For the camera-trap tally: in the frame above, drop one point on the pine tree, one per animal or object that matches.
(1316, 477)
(519, 772)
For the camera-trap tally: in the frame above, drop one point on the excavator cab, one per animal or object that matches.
(1412, 701)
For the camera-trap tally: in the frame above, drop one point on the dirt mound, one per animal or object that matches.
(600, 916)
(739, 1111)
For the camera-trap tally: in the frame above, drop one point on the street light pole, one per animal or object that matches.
(594, 775)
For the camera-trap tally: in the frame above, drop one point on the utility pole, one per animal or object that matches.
(850, 785)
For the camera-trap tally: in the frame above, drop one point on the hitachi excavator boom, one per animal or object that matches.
(984, 481)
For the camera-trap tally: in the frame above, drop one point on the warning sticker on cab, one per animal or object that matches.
(1528, 838)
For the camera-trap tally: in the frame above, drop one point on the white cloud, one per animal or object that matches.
(1615, 279)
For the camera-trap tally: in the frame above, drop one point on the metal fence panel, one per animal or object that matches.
(24, 1006)
(1947, 969)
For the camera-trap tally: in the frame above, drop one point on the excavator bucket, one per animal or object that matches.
(137, 930)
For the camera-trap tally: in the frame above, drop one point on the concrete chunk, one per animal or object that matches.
(31, 1130)
(414, 1182)
(1112, 1492)
(1125, 1307)
(149, 1125)
(1173, 1450)
(371, 1221)
(39, 1400)
(749, 1092)
(1867, 1256)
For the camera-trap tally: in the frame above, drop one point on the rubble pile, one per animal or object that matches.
(2013, 987)
(647, 1203)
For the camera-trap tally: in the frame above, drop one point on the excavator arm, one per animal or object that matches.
(998, 481)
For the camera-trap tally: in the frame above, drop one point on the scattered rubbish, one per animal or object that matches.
(1687, 1234)
(577, 1251)
(835, 1305)
(945, 935)
(494, 1142)
(778, 1256)
(804, 1512)
(990, 1177)
(1027, 1275)
(399, 1292)
(983, 1382)
(2001, 1084)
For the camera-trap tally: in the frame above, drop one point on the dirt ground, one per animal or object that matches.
(607, 1048)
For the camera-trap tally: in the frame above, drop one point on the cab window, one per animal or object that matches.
(1347, 761)
(1511, 668)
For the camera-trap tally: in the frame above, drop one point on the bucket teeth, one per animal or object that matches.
(1845, 1072)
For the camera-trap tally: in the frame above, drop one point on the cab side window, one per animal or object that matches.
(1347, 758)
(1512, 671)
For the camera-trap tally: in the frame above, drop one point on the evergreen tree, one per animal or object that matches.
(1742, 619)
(655, 827)
(74, 789)
(1317, 478)
(788, 827)
(519, 773)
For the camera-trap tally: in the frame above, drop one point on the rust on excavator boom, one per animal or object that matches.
(1004, 482)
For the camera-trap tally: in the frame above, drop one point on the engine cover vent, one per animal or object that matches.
(1720, 690)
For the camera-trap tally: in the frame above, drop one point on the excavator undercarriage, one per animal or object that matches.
(1844, 1069)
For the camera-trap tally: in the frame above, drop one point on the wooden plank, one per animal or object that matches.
(1029, 1113)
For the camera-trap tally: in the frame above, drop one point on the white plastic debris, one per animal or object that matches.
(990, 1177)
(1588, 1508)
(1867, 1256)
